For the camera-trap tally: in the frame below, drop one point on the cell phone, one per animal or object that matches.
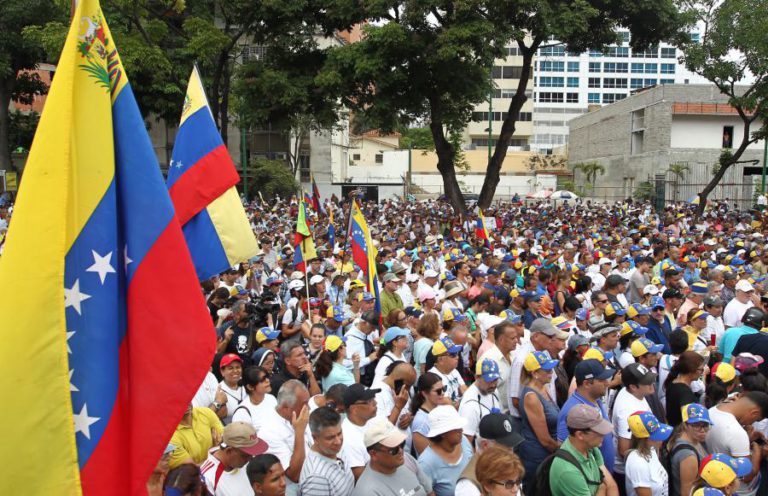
(399, 383)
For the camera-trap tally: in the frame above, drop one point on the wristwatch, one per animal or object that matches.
(217, 405)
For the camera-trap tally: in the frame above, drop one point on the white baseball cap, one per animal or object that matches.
(650, 289)
(296, 284)
(297, 275)
(380, 430)
(444, 418)
(316, 279)
(412, 278)
(744, 285)
(430, 273)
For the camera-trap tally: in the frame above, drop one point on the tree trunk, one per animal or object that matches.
(6, 89)
(507, 129)
(445, 159)
(724, 166)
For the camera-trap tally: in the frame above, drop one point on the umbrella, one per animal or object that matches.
(542, 194)
(563, 195)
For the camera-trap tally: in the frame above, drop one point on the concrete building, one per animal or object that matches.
(638, 138)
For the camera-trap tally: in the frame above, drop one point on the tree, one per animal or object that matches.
(18, 55)
(419, 138)
(590, 170)
(431, 61)
(644, 191)
(271, 178)
(732, 54)
(21, 130)
(678, 170)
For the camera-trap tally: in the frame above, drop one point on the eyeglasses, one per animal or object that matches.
(440, 391)
(508, 484)
(395, 450)
(700, 426)
(602, 301)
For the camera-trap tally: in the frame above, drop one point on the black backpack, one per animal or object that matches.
(540, 484)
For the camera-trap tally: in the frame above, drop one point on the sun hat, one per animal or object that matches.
(444, 418)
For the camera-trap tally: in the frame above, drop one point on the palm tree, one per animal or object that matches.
(590, 170)
(678, 170)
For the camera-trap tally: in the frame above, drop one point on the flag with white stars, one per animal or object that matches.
(98, 289)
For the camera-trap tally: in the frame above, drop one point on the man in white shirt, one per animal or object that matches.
(638, 383)
(506, 340)
(360, 403)
(446, 355)
(715, 326)
(285, 430)
(542, 333)
(326, 470)
(223, 471)
(480, 398)
(740, 303)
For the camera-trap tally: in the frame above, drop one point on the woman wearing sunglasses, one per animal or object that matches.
(499, 472)
(430, 392)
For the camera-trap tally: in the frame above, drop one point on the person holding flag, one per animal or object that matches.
(95, 316)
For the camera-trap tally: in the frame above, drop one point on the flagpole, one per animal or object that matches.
(347, 241)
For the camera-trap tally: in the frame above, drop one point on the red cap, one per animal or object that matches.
(229, 358)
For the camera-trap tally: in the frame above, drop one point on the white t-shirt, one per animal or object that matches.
(625, 405)
(453, 381)
(465, 487)
(354, 446)
(207, 392)
(715, 326)
(246, 411)
(734, 311)
(646, 473)
(234, 397)
(474, 406)
(384, 362)
(219, 482)
(494, 353)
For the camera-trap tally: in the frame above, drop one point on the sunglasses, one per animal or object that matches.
(395, 450)
(440, 391)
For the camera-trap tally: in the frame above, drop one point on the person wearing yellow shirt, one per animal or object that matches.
(199, 430)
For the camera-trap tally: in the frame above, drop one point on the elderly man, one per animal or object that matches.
(741, 302)
(285, 430)
(296, 366)
(695, 298)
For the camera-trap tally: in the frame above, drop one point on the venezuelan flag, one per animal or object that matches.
(363, 251)
(481, 231)
(317, 205)
(106, 336)
(303, 244)
(201, 180)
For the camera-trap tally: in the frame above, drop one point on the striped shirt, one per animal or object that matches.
(322, 476)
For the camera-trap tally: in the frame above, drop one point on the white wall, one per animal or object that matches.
(704, 131)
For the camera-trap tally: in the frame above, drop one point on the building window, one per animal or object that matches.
(594, 82)
(695, 37)
(593, 98)
(595, 53)
(613, 97)
(624, 35)
(636, 83)
(668, 53)
(650, 53)
(594, 67)
(649, 82)
(304, 170)
(552, 51)
(571, 98)
(513, 51)
(379, 158)
(727, 137)
(551, 66)
(573, 82)
(253, 53)
(637, 68)
(667, 81)
(573, 67)
(667, 68)
(618, 52)
(551, 82)
(547, 97)
(622, 67)
(500, 116)
(651, 68)
(614, 83)
(355, 156)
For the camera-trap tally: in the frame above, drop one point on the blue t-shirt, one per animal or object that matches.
(339, 375)
(443, 475)
(607, 449)
(420, 351)
(731, 337)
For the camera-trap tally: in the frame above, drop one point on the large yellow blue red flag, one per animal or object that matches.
(363, 251)
(106, 336)
(201, 179)
(481, 231)
(303, 243)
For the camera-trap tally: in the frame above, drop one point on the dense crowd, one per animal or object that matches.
(582, 349)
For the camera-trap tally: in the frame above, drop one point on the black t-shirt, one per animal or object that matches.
(678, 395)
(757, 344)
(277, 380)
(242, 342)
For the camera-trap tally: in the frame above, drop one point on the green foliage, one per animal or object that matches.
(590, 170)
(22, 130)
(678, 169)
(271, 177)
(645, 191)
(419, 138)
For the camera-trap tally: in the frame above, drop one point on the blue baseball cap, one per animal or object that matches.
(413, 312)
(488, 369)
(393, 333)
(657, 302)
(366, 296)
(582, 314)
(592, 369)
(478, 273)
(694, 413)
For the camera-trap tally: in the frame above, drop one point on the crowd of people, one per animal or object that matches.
(583, 349)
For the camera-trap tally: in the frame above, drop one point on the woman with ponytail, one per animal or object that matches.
(687, 368)
(723, 380)
(329, 367)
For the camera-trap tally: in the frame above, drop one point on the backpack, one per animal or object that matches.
(665, 457)
(540, 484)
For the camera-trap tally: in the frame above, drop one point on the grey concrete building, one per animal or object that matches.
(637, 139)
